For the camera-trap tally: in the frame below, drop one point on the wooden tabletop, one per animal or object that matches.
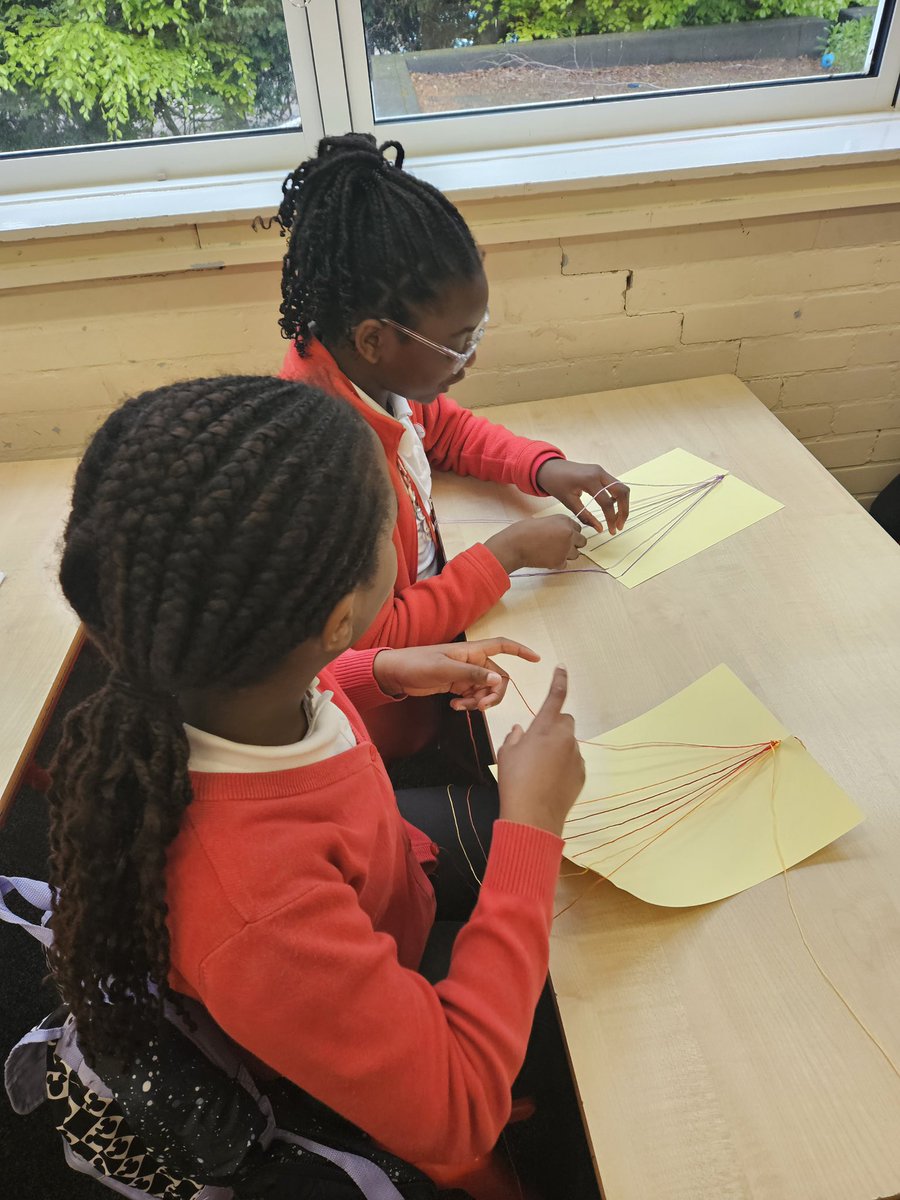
(39, 633)
(712, 1059)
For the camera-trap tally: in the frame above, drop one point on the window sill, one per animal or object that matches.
(478, 177)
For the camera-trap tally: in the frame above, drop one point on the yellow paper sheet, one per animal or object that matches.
(732, 505)
(726, 844)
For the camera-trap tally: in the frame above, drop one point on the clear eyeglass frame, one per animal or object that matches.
(459, 359)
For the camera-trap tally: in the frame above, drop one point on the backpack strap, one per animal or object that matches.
(33, 892)
(25, 1070)
(372, 1180)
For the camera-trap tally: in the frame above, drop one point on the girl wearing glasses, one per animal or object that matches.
(385, 301)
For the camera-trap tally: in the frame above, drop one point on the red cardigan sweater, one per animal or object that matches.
(298, 911)
(438, 609)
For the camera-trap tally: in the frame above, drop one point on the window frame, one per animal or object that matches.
(331, 71)
(640, 115)
(205, 156)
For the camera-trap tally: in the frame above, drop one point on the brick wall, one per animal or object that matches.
(805, 308)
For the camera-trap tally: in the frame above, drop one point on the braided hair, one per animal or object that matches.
(366, 240)
(214, 525)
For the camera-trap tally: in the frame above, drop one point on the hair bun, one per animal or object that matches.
(364, 147)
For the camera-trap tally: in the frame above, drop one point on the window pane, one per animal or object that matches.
(441, 56)
(81, 72)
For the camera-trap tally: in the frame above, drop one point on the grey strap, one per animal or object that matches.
(33, 892)
(371, 1180)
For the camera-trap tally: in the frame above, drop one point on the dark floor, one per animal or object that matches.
(31, 1162)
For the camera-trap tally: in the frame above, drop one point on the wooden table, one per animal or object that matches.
(39, 633)
(712, 1059)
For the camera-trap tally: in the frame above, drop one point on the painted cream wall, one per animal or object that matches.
(790, 281)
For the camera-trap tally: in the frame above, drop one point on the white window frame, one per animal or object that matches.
(519, 147)
(209, 156)
(642, 114)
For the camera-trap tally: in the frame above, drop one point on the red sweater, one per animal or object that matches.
(298, 913)
(438, 609)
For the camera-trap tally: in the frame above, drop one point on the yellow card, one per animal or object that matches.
(686, 824)
(677, 509)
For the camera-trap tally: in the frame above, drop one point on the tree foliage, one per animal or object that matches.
(525, 20)
(85, 71)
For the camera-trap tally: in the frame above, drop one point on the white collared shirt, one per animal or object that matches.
(328, 733)
(412, 452)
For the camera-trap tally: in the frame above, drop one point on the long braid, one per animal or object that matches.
(366, 239)
(214, 525)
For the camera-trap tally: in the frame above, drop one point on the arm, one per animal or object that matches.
(318, 995)
(355, 672)
(438, 609)
(457, 440)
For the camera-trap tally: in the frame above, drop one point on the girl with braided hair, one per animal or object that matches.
(221, 826)
(385, 301)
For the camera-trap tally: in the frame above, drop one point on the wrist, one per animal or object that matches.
(535, 821)
(383, 669)
(543, 476)
(505, 548)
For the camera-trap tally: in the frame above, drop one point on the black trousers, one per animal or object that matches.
(550, 1148)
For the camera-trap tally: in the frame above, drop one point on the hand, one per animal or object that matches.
(537, 542)
(568, 480)
(541, 771)
(463, 668)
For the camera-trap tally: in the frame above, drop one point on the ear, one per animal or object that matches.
(337, 634)
(369, 340)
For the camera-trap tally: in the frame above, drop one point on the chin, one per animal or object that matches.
(430, 397)
(446, 386)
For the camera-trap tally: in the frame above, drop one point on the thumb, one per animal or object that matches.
(515, 735)
(556, 697)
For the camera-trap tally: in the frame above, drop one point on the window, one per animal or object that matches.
(439, 57)
(96, 92)
(152, 89)
(88, 73)
(501, 72)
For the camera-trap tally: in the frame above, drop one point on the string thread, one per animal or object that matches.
(873, 1038)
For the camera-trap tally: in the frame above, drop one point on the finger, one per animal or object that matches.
(609, 511)
(515, 735)
(492, 646)
(586, 517)
(623, 498)
(467, 677)
(498, 691)
(556, 697)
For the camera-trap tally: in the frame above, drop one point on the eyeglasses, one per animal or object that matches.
(458, 358)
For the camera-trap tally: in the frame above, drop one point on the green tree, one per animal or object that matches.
(400, 25)
(524, 20)
(74, 71)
